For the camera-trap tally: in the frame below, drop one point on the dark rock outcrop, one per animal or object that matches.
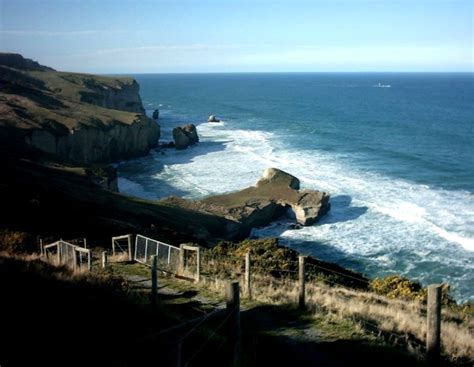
(259, 205)
(213, 118)
(156, 114)
(16, 61)
(103, 176)
(184, 136)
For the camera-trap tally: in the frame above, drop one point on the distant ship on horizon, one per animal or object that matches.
(380, 85)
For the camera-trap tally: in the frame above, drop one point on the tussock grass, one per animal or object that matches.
(402, 319)
(37, 264)
(397, 321)
(119, 257)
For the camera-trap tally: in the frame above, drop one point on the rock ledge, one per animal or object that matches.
(259, 205)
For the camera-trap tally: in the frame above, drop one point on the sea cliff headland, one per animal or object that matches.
(81, 118)
(59, 129)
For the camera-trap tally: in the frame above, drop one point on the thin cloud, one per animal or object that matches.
(190, 47)
(51, 33)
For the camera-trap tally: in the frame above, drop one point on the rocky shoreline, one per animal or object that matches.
(58, 130)
(62, 128)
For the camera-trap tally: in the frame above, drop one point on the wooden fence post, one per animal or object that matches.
(179, 353)
(74, 255)
(433, 329)
(130, 245)
(301, 298)
(248, 285)
(41, 247)
(198, 265)
(89, 260)
(113, 247)
(154, 279)
(59, 253)
(233, 306)
(181, 259)
(104, 259)
(85, 242)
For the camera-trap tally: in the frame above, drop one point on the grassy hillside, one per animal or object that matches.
(57, 101)
(41, 197)
(61, 318)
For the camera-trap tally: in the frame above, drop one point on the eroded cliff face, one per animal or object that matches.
(79, 117)
(124, 96)
(91, 144)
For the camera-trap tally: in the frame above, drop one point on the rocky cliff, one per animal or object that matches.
(123, 95)
(86, 144)
(79, 117)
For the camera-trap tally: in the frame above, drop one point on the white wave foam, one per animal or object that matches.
(466, 242)
(247, 153)
(387, 224)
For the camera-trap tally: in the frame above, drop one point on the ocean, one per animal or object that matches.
(394, 150)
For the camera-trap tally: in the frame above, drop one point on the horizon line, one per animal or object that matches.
(286, 72)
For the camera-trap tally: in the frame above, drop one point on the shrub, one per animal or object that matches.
(17, 241)
(396, 286)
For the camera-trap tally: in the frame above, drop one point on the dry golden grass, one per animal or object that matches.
(118, 257)
(400, 321)
(402, 318)
(48, 269)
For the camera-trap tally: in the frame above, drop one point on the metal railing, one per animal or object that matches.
(167, 255)
(120, 249)
(65, 253)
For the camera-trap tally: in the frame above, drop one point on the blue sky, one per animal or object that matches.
(120, 36)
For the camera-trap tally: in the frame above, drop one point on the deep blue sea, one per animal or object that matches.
(395, 151)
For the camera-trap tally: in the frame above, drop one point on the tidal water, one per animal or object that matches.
(395, 151)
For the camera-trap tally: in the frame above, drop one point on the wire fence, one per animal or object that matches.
(122, 248)
(397, 321)
(275, 281)
(65, 253)
(167, 255)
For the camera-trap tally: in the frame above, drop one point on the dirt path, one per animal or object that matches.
(284, 336)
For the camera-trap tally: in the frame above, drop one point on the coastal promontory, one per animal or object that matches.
(256, 206)
(78, 117)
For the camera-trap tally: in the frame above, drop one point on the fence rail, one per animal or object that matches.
(304, 289)
(167, 255)
(65, 253)
(122, 249)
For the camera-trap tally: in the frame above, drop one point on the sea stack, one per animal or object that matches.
(213, 118)
(184, 136)
(156, 114)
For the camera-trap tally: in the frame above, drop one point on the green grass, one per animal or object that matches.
(54, 101)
